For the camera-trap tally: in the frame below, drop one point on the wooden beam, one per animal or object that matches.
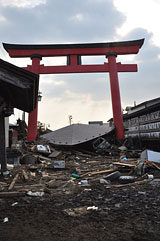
(13, 182)
(12, 194)
(124, 164)
(25, 174)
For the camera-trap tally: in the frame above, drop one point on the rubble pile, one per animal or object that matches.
(38, 169)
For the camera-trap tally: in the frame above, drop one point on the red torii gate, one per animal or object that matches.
(74, 53)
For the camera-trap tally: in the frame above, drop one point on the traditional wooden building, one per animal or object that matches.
(19, 89)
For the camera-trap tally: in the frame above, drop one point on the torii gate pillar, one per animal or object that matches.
(33, 116)
(115, 94)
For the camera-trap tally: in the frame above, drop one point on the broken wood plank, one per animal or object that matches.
(44, 158)
(19, 187)
(25, 174)
(3, 184)
(98, 172)
(131, 184)
(13, 182)
(124, 164)
(12, 194)
(56, 154)
(153, 164)
(130, 163)
(92, 162)
(156, 166)
(103, 171)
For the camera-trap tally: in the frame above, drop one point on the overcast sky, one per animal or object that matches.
(85, 96)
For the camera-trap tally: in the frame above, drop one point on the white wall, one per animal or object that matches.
(7, 131)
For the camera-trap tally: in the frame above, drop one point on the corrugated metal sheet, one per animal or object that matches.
(76, 134)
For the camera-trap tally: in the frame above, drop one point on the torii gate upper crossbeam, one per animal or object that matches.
(73, 52)
(49, 50)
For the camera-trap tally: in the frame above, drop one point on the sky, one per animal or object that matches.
(85, 96)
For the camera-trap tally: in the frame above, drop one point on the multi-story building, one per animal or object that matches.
(142, 123)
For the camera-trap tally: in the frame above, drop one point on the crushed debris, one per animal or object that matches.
(44, 167)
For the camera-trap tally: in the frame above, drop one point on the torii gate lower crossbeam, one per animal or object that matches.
(74, 53)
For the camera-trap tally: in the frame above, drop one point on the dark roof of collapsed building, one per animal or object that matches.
(18, 87)
(76, 134)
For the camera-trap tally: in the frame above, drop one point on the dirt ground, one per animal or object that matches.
(123, 214)
(127, 212)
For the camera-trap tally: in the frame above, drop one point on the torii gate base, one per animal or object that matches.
(74, 53)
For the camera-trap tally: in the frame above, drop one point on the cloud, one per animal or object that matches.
(2, 19)
(79, 17)
(59, 21)
(144, 84)
(21, 3)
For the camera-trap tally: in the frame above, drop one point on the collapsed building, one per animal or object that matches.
(80, 135)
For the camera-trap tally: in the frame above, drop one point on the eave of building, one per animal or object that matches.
(18, 87)
(146, 107)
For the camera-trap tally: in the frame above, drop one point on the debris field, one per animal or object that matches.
(67, 194)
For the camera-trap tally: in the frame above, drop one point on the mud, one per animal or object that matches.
(124, 213)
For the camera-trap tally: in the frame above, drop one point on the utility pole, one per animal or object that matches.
(70, 119)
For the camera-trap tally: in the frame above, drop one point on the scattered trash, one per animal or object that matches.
(126, 179)
(56, 154)
(112, 176)
(87, 189)
(92, 208)
(75, 175)
(122, 148)
(43, 149)
(5, 220)
(102, 180)
(59, 164)
(125, 159)
(6, 173)
(76, 211)
(151, 177)
(14, 204)
(101, 145)
(35, 194)
(78, 158)
(28, 159)
(84, 182)
(141, 168)
(143, 193)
